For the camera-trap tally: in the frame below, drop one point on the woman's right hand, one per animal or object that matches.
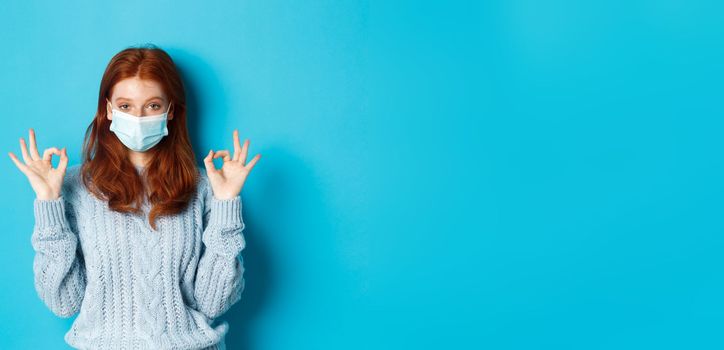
(45, 180)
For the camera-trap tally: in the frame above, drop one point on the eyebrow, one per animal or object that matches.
(128, 99)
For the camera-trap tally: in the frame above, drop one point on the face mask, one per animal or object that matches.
(139, 133)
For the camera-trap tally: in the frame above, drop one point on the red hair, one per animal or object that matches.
(171, 172)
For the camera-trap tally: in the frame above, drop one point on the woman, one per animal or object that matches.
(138, 240)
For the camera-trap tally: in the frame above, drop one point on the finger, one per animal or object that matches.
(252, 162)
(18, 163)
(224, 153)
(49, 152)
(24, 150)
(33, 146)
(209, 161)
(237, 146)
(244, 152)
(63, 160)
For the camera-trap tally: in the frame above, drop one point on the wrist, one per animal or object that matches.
(225, 197)
(47, 197)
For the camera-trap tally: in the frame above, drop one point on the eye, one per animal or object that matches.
(123, 106)
(155, 105)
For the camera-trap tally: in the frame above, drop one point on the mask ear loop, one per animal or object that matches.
(169, 109)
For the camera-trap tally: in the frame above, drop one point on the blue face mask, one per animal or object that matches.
(139, 133)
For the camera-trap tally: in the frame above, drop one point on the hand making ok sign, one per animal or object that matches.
(228, 181)
(45, 180)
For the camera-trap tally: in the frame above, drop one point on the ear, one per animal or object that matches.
(170, 112)
(109, 111)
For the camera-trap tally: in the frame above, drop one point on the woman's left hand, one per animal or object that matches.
(228, 181)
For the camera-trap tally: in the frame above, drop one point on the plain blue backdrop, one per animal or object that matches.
(434, 175)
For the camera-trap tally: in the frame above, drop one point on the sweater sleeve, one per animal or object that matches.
(58, 266)
(220, 273)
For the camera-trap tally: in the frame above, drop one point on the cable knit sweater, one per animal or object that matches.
(132, 287)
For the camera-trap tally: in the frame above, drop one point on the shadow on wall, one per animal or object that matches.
(259, 272)
(293, 203)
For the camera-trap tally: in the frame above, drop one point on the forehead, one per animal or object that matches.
(136, 89)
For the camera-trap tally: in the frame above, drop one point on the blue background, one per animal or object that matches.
(493, 175)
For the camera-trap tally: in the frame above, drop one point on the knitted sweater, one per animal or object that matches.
(132, 287)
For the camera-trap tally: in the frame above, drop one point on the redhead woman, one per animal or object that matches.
(137, 240)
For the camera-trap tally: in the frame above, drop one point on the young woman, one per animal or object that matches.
(138, 240)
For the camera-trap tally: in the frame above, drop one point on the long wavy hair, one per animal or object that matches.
(171, 175)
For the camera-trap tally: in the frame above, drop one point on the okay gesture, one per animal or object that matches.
(228, 181)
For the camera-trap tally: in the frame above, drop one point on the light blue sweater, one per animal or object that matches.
(136, 288)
